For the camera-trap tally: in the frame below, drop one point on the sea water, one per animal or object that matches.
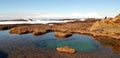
(15, 45)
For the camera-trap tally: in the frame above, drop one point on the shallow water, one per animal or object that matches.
(28, 45)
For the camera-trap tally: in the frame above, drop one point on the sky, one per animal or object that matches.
(11, 9)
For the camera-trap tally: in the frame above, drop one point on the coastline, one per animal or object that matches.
(65, 30)
(81, 27)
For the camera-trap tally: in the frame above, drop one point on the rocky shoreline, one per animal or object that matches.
(37, 29)
(109, 27)
(82, 27)
(63, 30)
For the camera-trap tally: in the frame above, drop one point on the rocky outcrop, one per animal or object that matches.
(37, 32)
(66, 49)
(35, 29)
(116, 19)
(62, 34)
(74, 27)
(108, 27)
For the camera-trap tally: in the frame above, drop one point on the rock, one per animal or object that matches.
(107, 27)
(18, 31)
(116, 19)
(62, 34)
(39, 33)
(35, 29)
(66, 49)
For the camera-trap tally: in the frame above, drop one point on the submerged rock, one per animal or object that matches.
(66, 49)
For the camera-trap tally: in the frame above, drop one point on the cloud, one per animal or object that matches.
(87, 15)
(72, 15)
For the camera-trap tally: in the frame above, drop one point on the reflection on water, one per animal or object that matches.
(29, 46)
(112, 43)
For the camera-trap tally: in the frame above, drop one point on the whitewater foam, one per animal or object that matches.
(34, 22)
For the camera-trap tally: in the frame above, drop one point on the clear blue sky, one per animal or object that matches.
(102, 7)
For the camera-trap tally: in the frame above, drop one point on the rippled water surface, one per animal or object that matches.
(43, 46)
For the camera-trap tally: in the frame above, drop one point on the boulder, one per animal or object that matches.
(62, 34)
(66, 49)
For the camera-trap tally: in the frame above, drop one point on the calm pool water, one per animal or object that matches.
(28, 45)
